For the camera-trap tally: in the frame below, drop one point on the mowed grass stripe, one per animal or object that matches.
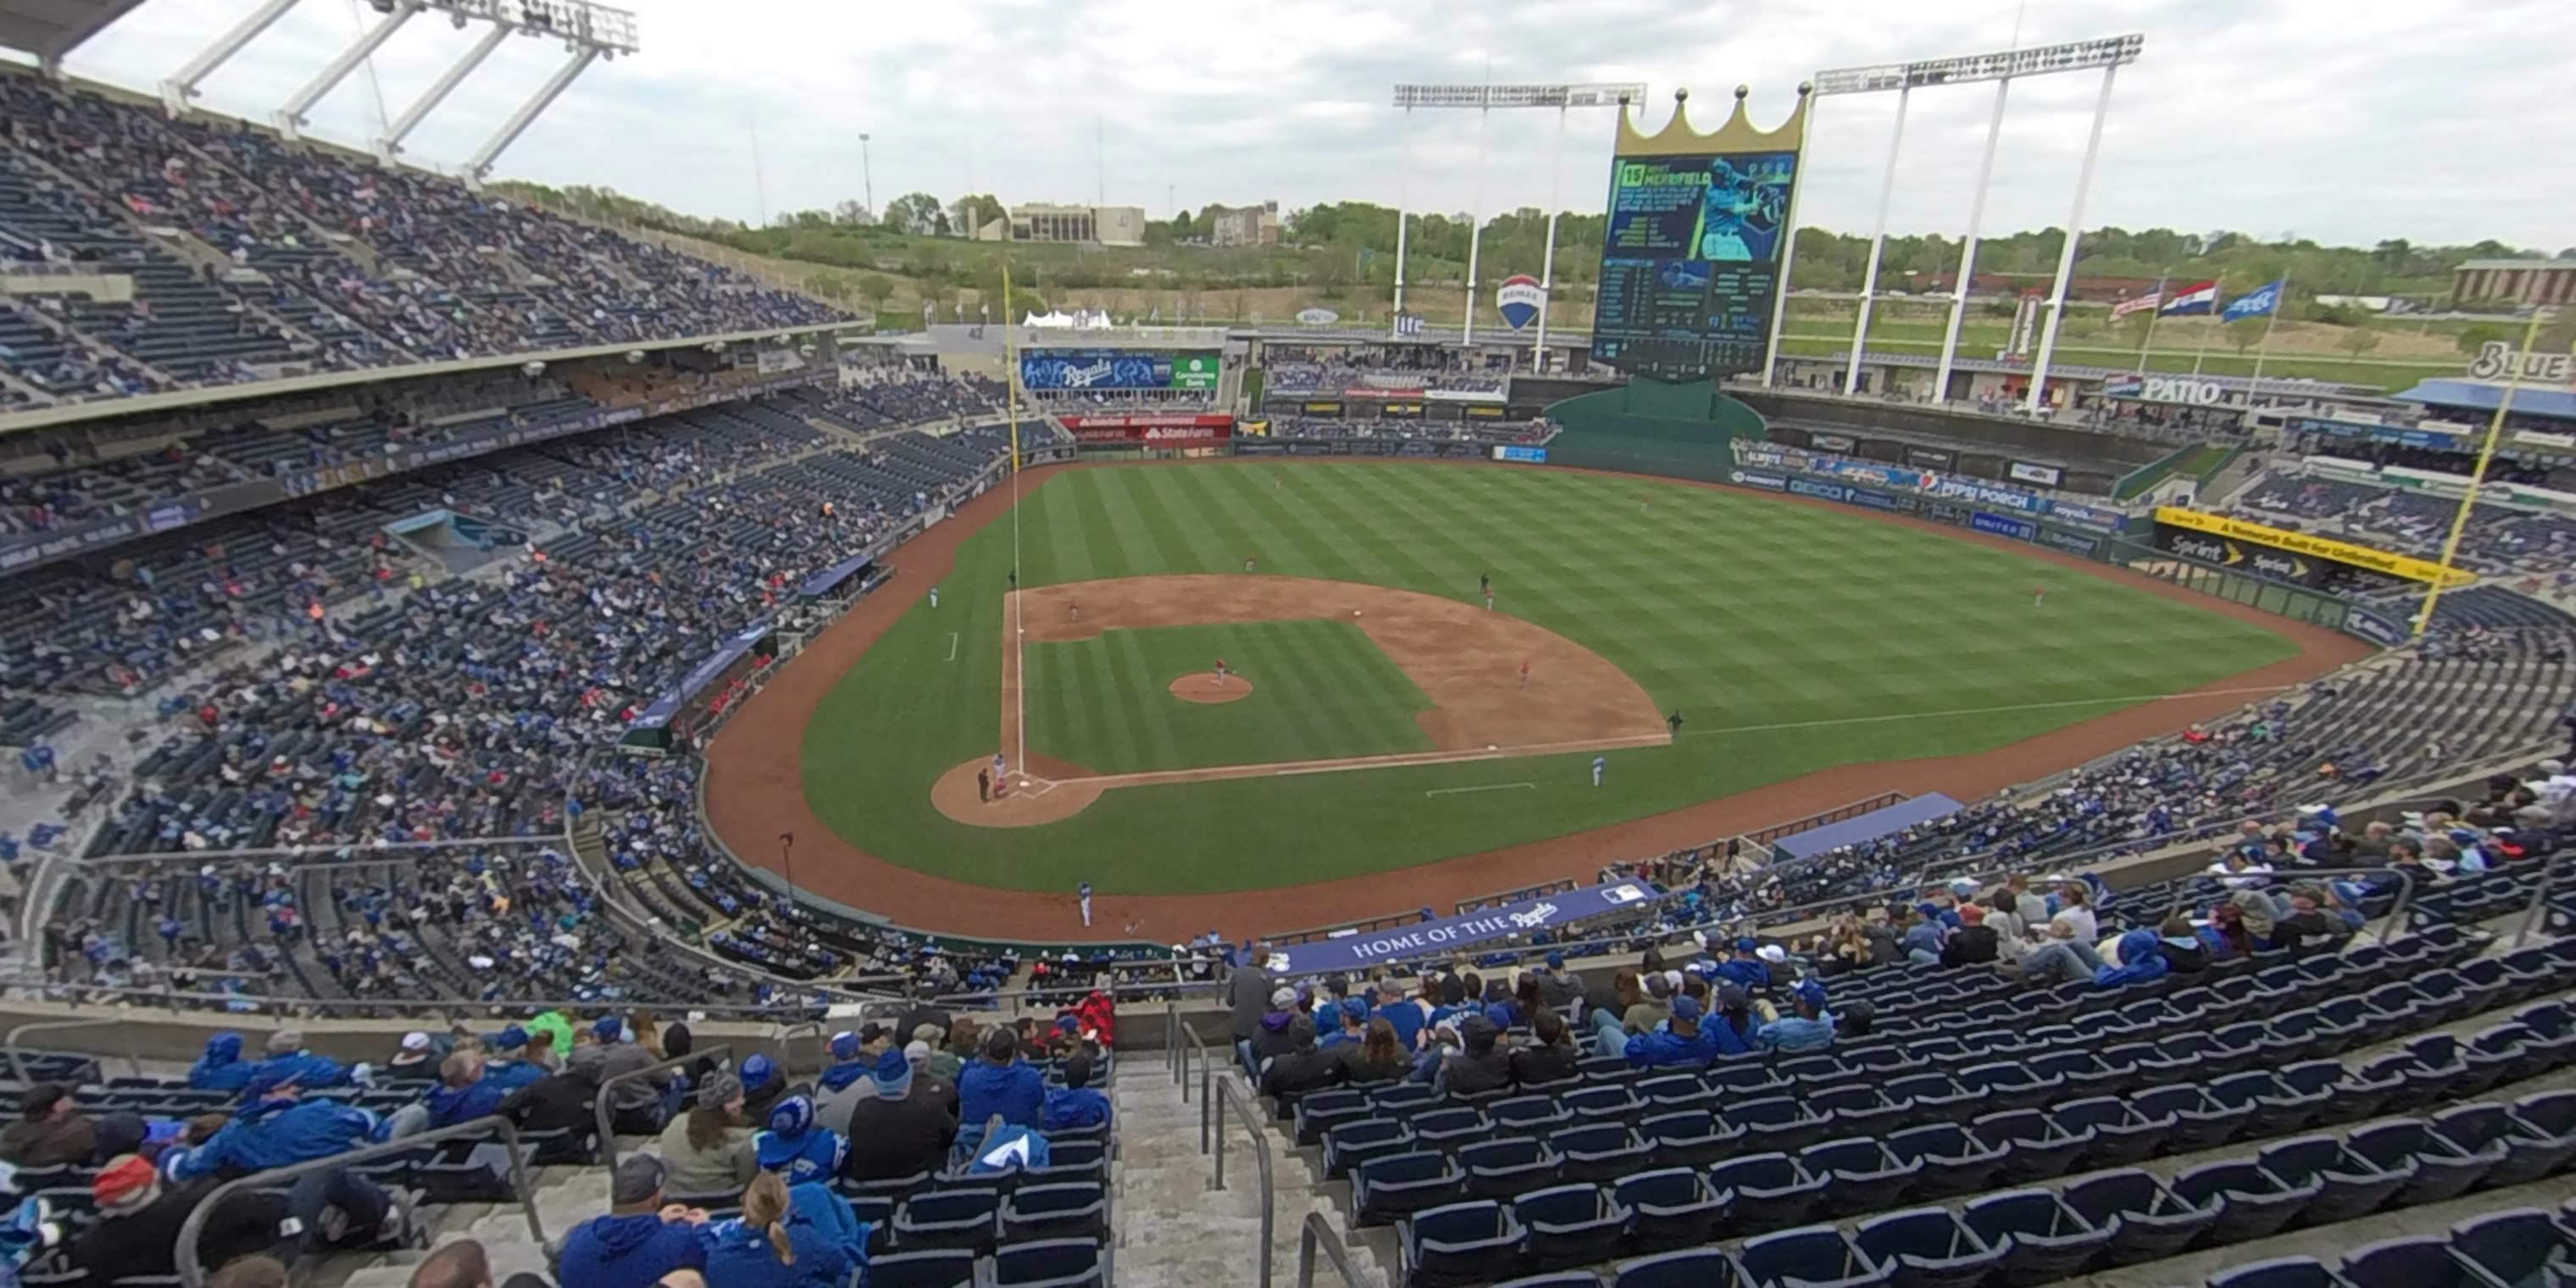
(1064, 552)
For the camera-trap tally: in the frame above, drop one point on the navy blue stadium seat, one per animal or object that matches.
(2042, 1239)
(1816, 1256)
(2035, 1146)
(2253, 1203)
(1776, 1123)
(969, 1219)
(2279, 1272)
(1463, 1243)
(1571, 1225)
(1674, 1207)
(1317, 1111)
(2146, 1220)
(1927, 1248)
(2121, 1134)
(1036, 1212)
(2348, 1186)
(1596, 1105)
(1450, 1129)
(1603, 1153)
(1350, 1144)
(1050, 1263)
(1394, 1186)
(1500, 1169)
(2085, 1073)
(1766, 1192)
(1948, 1161)
(1690, 1138)
(2551, 1115)
(1859, 1175)
(1555, 1279)
(2516, 1247)
(2198, 1122)
(936, 1268)
(1529, 1115)
(2421, 1262)
(1935, 1097)
(2528, 1153)
(1677, 1093)
(2442, 1170)
(1698, 1268)
(1858, 1110)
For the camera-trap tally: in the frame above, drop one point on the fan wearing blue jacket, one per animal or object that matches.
(795, 1146)
(2140, 962)
(1078, 1104)
(288, 1063)
(639, 1241)
(508, 1067)
(800, 1237)
(998, 1082)
(280, 1130)
(221, 1068)
(1677, 1041)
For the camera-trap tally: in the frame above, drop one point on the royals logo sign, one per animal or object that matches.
(1519, 298)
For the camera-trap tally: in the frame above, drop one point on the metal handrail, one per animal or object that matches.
(1316, 1235)
(2539, 908)
(17, 1062)
(822, 1045)
(1207, 1079)
(192, 1274)
(1172, 1039)
(435, 1005)
(602, 1107)
(1241, 1103)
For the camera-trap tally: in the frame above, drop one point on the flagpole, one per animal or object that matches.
(2163, 284)
(2217, 296)
(2477, 476)
(2280, 301)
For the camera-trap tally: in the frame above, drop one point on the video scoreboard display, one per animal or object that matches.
(1690, 263)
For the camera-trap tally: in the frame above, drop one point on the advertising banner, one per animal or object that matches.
(1756, 478)
(1319, 409)
(1483, 411)
(2042, 475)
(1821, 491)
(2364, 557)
(1834, 442)
(1116, 369)
(2186, 390)
(2374, 628)
(2073, 543)
(1930, 458)
(2017, 529)
(1690, 262)
(1989, 494)
(2087, 516)
(1519, 299)
(1871, 498)
(1525, 455)
(1355, 952)
(1903, 479)
(1194, 431)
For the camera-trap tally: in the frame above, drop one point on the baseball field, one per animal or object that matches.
(1375, 716)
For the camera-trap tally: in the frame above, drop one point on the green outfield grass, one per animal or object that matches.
(1320, 691)
(1792, 638)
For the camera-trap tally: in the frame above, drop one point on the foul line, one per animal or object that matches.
(1984, 711)
(1211, 773)
(1489, 787)
(952, 646)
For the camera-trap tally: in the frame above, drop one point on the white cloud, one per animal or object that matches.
(2436, 121)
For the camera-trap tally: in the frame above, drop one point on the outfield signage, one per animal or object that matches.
(2364, 557)
(1998, 525)
(1117, 369)
(2374, 628)
(1524, 455)
(2043, 475)
(2165, 389)
(1913, 478)
(1356, 952)
(1150, 429)
(2496, 360)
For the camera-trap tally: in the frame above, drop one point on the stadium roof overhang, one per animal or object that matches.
(2484, 395)
(50, 29)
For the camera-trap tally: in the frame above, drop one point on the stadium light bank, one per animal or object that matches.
(2109, 54)
(1484, 98)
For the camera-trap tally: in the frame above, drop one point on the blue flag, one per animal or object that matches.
(2255, 303)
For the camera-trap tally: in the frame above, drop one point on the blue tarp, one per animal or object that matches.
(700, 676)
(1866, 827)
(822, 582)
(1367, 948)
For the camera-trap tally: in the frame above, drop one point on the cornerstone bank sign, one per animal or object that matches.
(1362, 949)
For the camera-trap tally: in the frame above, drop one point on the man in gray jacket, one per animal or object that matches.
(607, 1049)
(1247, 994)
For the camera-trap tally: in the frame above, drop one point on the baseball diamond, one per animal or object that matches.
(1811, 649)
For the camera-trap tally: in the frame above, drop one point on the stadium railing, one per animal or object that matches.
(18, 1062)
(192, 1273)
(1764, 836)
(1315, 1237)
(605, 1101)
(1239, 1103)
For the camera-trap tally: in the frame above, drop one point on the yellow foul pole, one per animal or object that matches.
(2478, 476)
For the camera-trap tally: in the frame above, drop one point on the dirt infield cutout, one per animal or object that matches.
(1206, 689)
(1500, 686)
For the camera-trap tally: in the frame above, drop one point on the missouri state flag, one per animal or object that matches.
(2199, 297)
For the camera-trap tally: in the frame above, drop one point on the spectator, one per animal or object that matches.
(636, 1105)
(1378, 1058)
(1350, 1018)
(845, 1080)
(639, 1241)
(1478, 1065)
(997, 1083)
(1974, 943)
(927, 1085)
(288, 1063)
(557, 1102)
(2181, 947)
(2309, 928)
(946, 1061)
(1625, 993)
(221, 1068)
(709, 1149)
(1551, 1057)
(1922, 941)
(1079, 1105)
(417, 1057)
(1406, 1015)
(2063, 957)
(795, 1146)
(1303, 1067)
(2140, 961)
(464, 1264)
(894, 1133)
(2225, 936)
(1675, 1042)
(509, 1066)
(337, 1206)
(51, 1130)
(1245, 992)
(1809, 1027)
(1270, 1037)
(1556, 988)
(463, 1093)
(137, 1231)
(762, 1084)
(804, 1237)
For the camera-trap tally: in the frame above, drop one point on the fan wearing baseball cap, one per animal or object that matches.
(639, 1241)
(139, 1215)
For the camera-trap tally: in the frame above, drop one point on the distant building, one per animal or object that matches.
(1046, 222)
(2514, 281)
(1246, 225)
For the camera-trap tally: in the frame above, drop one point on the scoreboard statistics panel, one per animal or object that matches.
(1690, 263)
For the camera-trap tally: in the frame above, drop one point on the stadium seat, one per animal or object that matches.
(2528, 1153)
(1859, 1175)
(2085, 1073)
(1935, 1097)
(1318, 1111)
(1927, 1248)
(1555, 1279)
(2421, 1262)
(1463, 1243)
(1857, 1109)
(1594, 1106)
(1052, 1263)
(1394, 1186)
(2035, 1147)
(1817, 1256)
(2198, 1122)
(2121, 1134)
(1449, 1129)
(2439, 1169)
(2279, 1272)
(969, 1219)
(2515, 1247)
(1603, 1153)
(2348, 1186)
(1776, 1124)
(1674, 1208)
(1948, 1161)
(1529, 1115)
(1698, 1268)
(1694, 1138)
(936, 1268)
(1035, 1212)
(1677, 1093)
(2147, 1221)
(2550, 1115)
(2252, 1203)
(1347, 1145)
(1766, 1192)
(1502, 1169)
(2041, 1238)
(1571, 1225)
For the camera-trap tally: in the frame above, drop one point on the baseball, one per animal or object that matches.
(1491, 747)
(1355, 612)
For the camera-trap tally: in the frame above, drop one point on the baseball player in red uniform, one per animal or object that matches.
(1073, 611)
(1220, 671)
(1524, 673)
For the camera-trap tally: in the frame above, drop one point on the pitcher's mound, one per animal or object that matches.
(1043, 800)
(1203, 686)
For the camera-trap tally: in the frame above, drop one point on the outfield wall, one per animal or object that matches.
(1648, 427)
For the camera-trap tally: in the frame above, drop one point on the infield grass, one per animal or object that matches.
(1321, 690)
(1791, 638)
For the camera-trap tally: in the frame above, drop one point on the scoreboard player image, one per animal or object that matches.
(1743, 207)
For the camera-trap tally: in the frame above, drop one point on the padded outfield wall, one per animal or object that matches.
(1648, 427)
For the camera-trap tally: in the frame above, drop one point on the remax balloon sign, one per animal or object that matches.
(1520, 299)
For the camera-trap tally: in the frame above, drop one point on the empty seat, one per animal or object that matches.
(1500, 1169)
(1603, 1153)
(1529, 1115)
(1765, 1192)
(2442, 1170)
(2421, 1262)
(1593, 1106)
(1818, 1256)
(2085, 1073)
(2529, 1154)
(1858, 1110)
(1571, 1225)
(1347, 1145)
(936, 1268)
(2121, 1134)
(1555, 1279)
(1698, 1268)
(1690, 1138)
(1672, 1208)
(1316, 1111)
(1448, 1129)
(1050, 1263)
(1927, 1248)
(2035, 1147)
(1859, 1175)
(1036, 1212)
(1776, 1124)
(2279, 1272)
(2253, 1203)
(2146, 1220)
(2516, 1247)
(2042, 1239)
(1675, 1093)
(2348, 1186)
(1935, 1097)
(2199, 1122)
(949, 1219)
(1399, 1185)
(1947, 1159)
(1463, 1243)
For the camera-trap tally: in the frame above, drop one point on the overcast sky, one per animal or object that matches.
(2440, 121)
